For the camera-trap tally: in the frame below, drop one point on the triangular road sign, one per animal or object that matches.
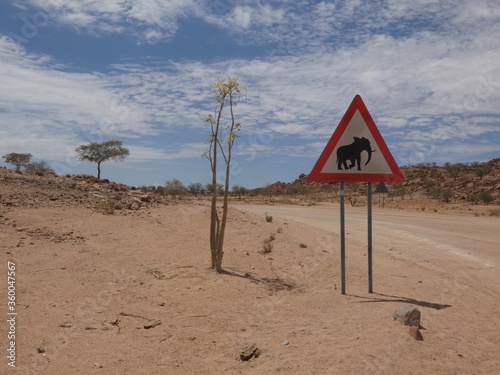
(356, 151)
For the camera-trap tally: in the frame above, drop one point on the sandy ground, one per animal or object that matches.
(132, 294)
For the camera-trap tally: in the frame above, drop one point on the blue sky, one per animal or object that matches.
(79, 71)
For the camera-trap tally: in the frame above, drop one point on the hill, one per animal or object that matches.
(31, 190)
(452, 183)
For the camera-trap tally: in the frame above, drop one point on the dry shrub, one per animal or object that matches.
(267, 247)
(107, 206)
(267, 244)
(494, 212)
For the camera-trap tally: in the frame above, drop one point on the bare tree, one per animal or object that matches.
(196, 188)
(174, 187)
(222, 137)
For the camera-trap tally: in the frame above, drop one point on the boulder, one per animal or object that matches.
(408, 315)
(144, 198)
(134, 206)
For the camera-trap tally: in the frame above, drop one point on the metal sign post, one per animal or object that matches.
(342, 238)
(370, 269)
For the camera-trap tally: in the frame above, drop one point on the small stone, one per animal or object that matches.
(134, 206)
(249, 352)
(408, 315)
(303, 246)
(285, 342)
(40, 349)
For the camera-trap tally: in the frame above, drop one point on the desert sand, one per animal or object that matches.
(132, 292)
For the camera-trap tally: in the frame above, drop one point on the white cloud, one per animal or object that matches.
(43, 101)
(148, 20)
(182, 151)
(242, 16)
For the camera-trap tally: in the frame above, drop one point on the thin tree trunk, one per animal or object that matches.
(99, 170)
(213, 239)
(220, 245)
(214, 217)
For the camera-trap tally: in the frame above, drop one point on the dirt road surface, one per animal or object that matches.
(423, 235)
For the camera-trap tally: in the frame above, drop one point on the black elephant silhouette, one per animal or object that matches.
(352, 152)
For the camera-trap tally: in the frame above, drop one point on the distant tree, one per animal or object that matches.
(436, 192)
(174, 187)
(39, 167)
(239, 191)
(98, 152)
(482, 171)
(399, 191)
(219, 188)
(223, 133)
(473, 198)
(453, 169)
(208, 188)
(446, 195)
(352, 192)
(486, 197)
(196, 188)
(18, 160)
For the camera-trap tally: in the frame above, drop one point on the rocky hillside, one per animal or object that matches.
(451, 183)
(31, 190)
(457, 183)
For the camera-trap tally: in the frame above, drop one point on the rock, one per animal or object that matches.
(303, 245)
(249, 352)
(408, 315)
(152, 324)
(145, 198)
(416, 334)
(134, 206)
(285, 342)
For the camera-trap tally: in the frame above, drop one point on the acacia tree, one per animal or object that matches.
(18, 160)
(222, 136)
(98, 152)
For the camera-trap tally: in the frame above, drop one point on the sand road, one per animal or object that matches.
(431, 236)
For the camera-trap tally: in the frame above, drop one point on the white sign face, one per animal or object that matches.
(356, 151)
